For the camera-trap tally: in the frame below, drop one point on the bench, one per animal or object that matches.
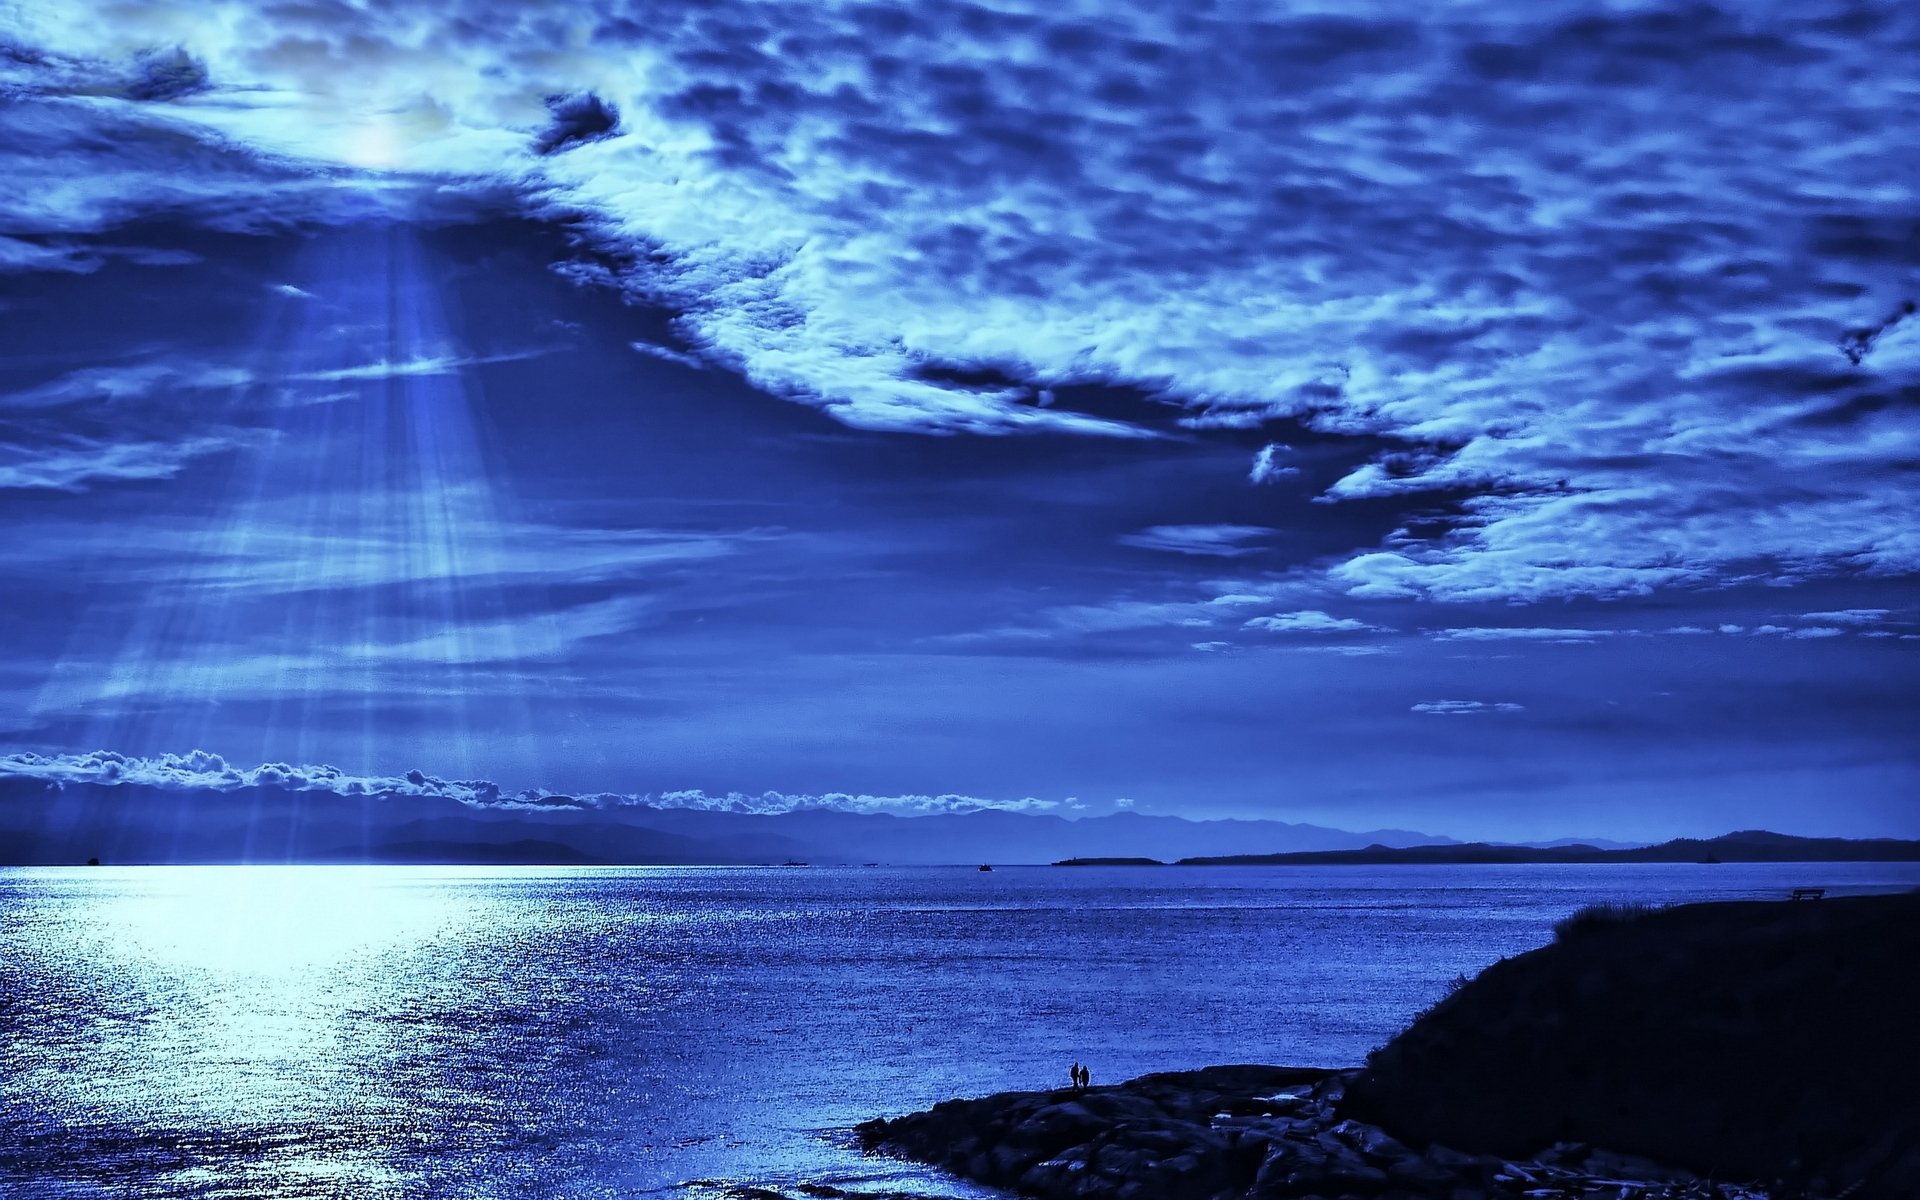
(1807, 893)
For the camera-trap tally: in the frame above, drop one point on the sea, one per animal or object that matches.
(692, 1032)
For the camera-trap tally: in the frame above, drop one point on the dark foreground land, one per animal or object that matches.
(1748, 1049)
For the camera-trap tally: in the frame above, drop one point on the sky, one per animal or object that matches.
(1502, 421)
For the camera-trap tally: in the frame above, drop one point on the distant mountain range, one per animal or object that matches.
(142, 823)
(1751, 845)
(125, 823)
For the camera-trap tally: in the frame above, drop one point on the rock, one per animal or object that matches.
(1006, 1163)
(1609, 1165)
(1421, 1175)
(1056, 1125)
(1371, 1140)
(1162, 1138)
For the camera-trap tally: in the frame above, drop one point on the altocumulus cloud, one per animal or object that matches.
(1311, 621)
(1648, 352)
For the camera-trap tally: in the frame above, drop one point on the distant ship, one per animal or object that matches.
(985, 867)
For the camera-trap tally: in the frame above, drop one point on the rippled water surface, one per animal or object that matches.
(323, 1031)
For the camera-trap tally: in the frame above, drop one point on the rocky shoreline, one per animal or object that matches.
(1767, 1048)
(1223, 1133)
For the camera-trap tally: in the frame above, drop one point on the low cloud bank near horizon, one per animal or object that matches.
(201, 770)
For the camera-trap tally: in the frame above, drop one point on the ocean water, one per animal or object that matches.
(396, 1031)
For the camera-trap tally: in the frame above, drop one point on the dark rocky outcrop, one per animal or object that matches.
(1778, 1041)
(1773, 1044)
(1222, 1133)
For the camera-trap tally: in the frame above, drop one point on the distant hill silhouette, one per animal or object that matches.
(130, 823)
(1751, 845)
(525, 852)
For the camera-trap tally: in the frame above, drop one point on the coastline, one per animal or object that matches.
(1720, 1051)
(1243, 1131)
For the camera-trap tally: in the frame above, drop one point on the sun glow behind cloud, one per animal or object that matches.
(1613, 328)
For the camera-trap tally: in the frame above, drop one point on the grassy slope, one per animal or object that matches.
(1754, 1040)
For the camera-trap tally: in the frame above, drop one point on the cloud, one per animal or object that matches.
(1623, 360)
(429, 650)
(1808, 632)
(669, 354)
(1266, 465)
(166, 74)
(75, 463)
(1311, 621)
(1125, 614)
(60, 254)
(1528, 634)
(374, 542)
(1346, 650)
(202, 771)
(133, 381)
(1462, 708)
(576, 120)
(1858, 343)
(1216, 541)
(161, 377)
(902, 805)
(1849, 616)
(519, 639)
(419, 365)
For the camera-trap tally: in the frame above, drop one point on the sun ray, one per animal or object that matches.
(352, 582)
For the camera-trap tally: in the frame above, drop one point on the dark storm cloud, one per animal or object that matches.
(576, 119)
(1621, 277)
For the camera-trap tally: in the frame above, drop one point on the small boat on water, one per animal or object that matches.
(985, 867)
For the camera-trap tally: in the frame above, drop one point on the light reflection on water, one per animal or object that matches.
(346, 1031)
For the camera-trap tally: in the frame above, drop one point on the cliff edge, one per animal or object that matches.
(1751, 1040)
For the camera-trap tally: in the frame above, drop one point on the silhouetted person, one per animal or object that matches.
(1073, 1073)
(1085, 1078)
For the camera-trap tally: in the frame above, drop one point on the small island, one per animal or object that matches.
(1724, 1051)
(1109, 862)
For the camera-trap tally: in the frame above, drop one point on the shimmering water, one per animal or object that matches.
(371, 1032)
